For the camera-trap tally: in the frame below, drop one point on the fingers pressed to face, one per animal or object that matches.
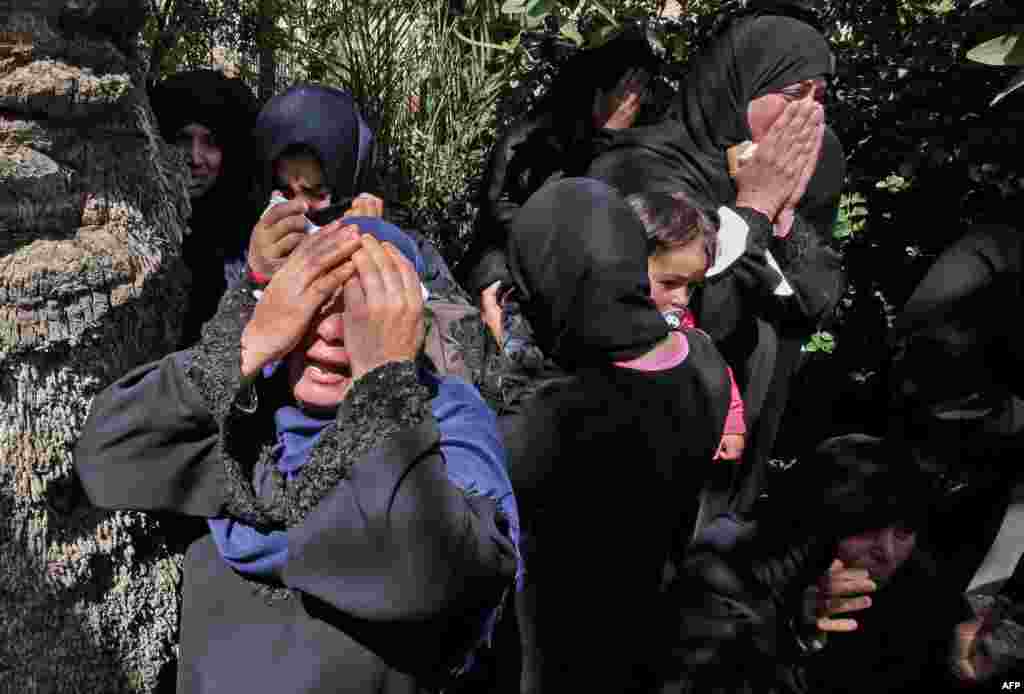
(407, 274)
(326, 250)
(379, 270)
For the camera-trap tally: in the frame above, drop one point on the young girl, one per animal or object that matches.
(681, 247)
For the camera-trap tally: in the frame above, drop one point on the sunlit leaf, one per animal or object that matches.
(1007, 49)
(539, 8)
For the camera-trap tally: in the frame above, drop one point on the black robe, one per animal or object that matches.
(734, 613)
(759, 330)
(387, 572)
(607, 462)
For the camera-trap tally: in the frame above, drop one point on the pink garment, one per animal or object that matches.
(734, 422)
(669, 359)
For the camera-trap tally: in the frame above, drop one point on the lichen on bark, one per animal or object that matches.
(92, 209)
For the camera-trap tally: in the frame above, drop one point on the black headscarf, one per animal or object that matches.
(959, 358)
(755, 56)
(228, 108)
(328, 122)
(578, 255)
(222, 219)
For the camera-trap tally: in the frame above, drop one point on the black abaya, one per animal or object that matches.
(752, 320)
(610, 460)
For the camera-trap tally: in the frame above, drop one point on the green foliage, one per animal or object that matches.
(821, 342)
(852, 216)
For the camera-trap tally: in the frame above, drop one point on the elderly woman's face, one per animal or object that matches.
(882, 552)
(319, 368)
(765, 110)
(205, 158)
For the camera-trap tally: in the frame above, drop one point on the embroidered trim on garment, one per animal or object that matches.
(385, 401)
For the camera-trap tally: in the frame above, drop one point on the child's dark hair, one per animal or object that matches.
(672, 219)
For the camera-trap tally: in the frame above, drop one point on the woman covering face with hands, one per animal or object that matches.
(752, 99)
(363, 530)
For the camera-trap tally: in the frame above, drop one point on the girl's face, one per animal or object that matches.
(300, 177)
(673, 271)
(765, 110)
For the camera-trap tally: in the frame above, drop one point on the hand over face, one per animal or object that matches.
(309, 278)
(618, 109)
(383, 315)
(775, 178)
(839, 591)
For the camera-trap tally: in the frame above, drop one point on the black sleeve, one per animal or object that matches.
(148, 444)
(151, 439)
(395, 540)
(800, 276)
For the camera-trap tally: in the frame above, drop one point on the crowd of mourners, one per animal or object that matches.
(548, 476)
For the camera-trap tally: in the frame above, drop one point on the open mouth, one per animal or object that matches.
(327, 373)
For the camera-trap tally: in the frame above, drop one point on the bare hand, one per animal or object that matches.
(770, 179)
(970, 662)
(839, 591)
(784, 222)
(618, 109)
(731, 447)
(280, 230)
(311, 275)
(383, 308)
(491, 311)
(365, 205)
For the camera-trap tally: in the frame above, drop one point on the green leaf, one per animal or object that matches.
(539, 8)
(1007, 49)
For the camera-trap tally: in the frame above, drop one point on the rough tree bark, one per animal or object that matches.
(92, 206)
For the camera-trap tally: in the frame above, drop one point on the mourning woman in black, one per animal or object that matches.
(782, 278)
(210, 117)
(596, 89)
(609, 460)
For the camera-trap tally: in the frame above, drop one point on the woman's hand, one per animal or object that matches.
(839, 591)
(618, 109)
(970, 663)
(383, 308)
(310, 276)
(776, 176)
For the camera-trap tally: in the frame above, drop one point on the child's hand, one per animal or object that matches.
(731, 447)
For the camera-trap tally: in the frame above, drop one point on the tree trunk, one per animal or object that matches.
(92, 206)
(267, 83)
